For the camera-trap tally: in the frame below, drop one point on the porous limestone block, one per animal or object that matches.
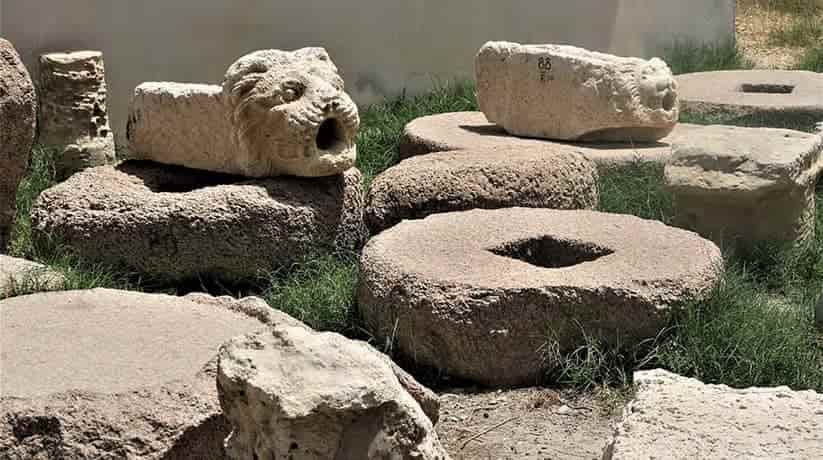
(568, 93)
(291, 393)
(18, 119)
(276, 113)
(677, 418)
(746, 185)
(73, 113)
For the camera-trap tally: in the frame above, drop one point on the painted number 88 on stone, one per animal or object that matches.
(544, 65)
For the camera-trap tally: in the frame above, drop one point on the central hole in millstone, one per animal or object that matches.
(766, 88)
(548, 252)
(329, 134)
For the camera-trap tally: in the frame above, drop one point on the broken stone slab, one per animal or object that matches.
(683, 418)
(173, 224)
(116, 374)
(746, 185)
(73, 112)
(472, 131)
(757, 97)
(276, 113)
(480, 179)
(18, 119)
(16, 274)
(567, 93)
(290, 392)
(522, 285)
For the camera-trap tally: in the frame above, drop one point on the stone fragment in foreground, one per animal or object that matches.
(73, 114)
(174, 224)
(481, 179)
(290, 392)
(493, 295)
(23, 274)
(116, 374)
(18, 118)
(675, 417)
(746, 185)
(568, 93)
(277, 113)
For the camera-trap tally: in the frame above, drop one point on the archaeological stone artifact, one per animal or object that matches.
(568, 93)
(681, 418)
(18, 118)
(746, 185)
(522, 285)
(277, 113)
(172, 223)
(73, 113)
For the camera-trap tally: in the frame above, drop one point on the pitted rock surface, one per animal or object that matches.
(73, 111)
(20, 273)
(116, 374)
(486, 179)
(682, 418)
(276, 113)
(290, 393)
(568, 93)
(472, 131)
(749, 94)
(18, 119)
(486, 294)
(746, 185)
(173, 224)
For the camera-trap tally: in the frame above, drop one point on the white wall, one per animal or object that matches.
(381, 46)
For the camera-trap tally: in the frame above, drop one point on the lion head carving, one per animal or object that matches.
(290, 114)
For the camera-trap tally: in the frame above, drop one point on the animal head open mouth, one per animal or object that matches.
(330, 136)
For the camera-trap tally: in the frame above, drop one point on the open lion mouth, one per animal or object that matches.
(330, 135)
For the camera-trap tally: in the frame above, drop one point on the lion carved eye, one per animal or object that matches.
(292, 91)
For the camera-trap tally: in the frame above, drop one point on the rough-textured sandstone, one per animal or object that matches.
(568, 93)
(18, 118)
(294, 393)
(455, 289)
(172, 223)
(472, 131)
(73, 113)
(276, 113)
(110, 374)
(487, 179)
(757, 97)
(23, 274)
(746, 184)
(681, 418)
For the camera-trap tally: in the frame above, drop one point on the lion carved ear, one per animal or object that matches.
(242, 76)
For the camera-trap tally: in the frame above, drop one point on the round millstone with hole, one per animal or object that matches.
(472, 131)
(754, 97)
(134, 369)
(494, 296)
(174, 224)
(480, 179)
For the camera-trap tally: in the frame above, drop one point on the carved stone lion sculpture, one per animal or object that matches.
(572, 94)
(277, 113)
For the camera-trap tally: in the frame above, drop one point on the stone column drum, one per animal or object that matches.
(18, 118)
(73, 115)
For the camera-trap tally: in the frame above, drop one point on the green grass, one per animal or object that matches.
(805, 31)
(688, 57)
(812, 59)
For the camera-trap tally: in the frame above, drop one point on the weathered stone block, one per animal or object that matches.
(568, 93)
(18, 118)
(73, 112)
(294, 393)
(746, 185)
(277, 113)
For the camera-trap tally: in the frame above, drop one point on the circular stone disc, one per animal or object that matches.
(108, 341)
(747, 91)
(472, 131)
